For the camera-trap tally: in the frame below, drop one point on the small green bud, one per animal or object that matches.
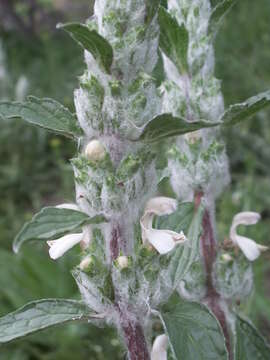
(115, 88)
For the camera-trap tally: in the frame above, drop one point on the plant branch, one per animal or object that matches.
(212, 298)
(133, 336)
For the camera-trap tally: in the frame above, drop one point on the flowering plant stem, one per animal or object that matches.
(146, 257)
(212, 298)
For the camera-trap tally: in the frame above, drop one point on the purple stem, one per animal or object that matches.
(134, 336)
(209, 252)
(115, 242)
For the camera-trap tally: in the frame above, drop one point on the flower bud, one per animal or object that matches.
(193, 136)
(226, 257)
(95, 151)
(85, 263)
(122, 262)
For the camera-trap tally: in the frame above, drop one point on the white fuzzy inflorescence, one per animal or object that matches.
(114, 175)
(195, 95)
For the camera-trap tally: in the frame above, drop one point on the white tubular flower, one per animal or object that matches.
(60, 246)
(162, 240)
(68, 206)
(249, 247)
(95, 151)
(159, 349)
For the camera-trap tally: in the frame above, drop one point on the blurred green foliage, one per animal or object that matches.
(34, 171)
(243, 54)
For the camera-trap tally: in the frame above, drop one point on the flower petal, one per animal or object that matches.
(159, 349)
(161, 206)
(60, 246)
(243, 218)
(163, 240)
(146, 223)
(246, 218)
(249, 247)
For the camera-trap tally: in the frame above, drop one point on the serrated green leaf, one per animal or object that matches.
(193, 331)
(218, 13)
(91, 41)
(185, 255)
(173, 39)
(166, 125)
(250, 345)
(45, 113)
(238, 112)
(39, 315)
(53, 222)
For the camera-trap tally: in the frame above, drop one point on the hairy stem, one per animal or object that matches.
(133, 336)
(115, 242)
(131, 328)
(212, 298)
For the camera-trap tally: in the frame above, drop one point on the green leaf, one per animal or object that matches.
(173, 40)
(250, 345)
(238, 112)
(21, 276)
(218, 14)
(185, 255)
(91, 41)
(178, 221)
(52, 222)
(39, 315)
(193, 331)
(46, 113)
(166, 125)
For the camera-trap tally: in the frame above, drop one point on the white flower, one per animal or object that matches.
(162, 240)
(95, 151)
(249, 247)
(87, 231)
(68, 206)
(60, 246)
(159, 349)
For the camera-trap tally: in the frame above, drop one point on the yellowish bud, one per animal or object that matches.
(95, 151)
(122, 262)
(226, 257)
(193, 136)
(85, 263)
